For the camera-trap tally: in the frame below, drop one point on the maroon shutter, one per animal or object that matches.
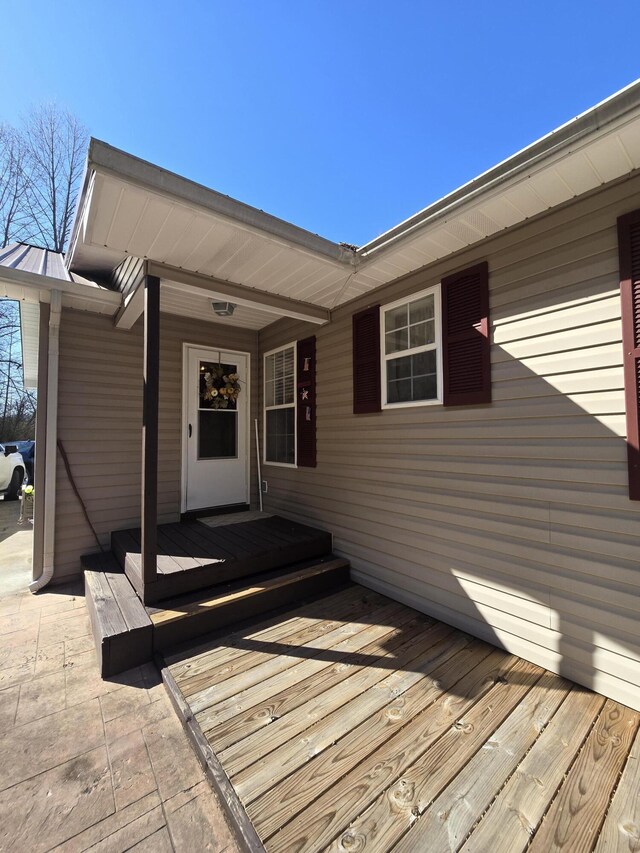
(466, 362)
(366, 361)
(306, 408)
(629, 250)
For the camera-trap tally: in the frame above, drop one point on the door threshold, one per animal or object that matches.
(193, 514)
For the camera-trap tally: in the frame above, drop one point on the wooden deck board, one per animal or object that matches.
(273, 627)
(367, 761)
(576, 814)
(217, 673)
(621, 828)
(448, 819)
(262, 665)
(369, 727)
(320, 693)
(393, 813)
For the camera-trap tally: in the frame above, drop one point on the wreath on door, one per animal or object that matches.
(219, 390)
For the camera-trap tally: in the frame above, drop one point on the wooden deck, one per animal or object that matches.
(356, 724)
(192, 555)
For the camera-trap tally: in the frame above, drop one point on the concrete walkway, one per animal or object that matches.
(16, 548)
(87, 764)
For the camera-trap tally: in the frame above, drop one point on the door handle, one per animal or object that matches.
(190, 430)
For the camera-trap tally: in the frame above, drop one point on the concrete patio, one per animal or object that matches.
(86, 763)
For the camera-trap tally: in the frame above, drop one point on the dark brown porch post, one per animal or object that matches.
(149, 509)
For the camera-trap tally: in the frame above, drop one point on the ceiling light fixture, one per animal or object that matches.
(223, 309)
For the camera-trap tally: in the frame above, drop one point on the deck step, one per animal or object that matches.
(191, 616)
(193, 556)
(121, 627)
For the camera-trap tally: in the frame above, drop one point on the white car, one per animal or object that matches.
(11, 472)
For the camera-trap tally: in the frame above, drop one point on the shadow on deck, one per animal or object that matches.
(208, 577)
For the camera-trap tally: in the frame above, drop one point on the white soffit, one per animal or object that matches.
(127, 219)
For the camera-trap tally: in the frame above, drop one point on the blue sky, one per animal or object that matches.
(343, 117)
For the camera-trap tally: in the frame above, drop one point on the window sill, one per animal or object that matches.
(411, 405)
(280, 464)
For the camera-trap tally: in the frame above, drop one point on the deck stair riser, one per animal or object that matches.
(190, 617)
(121, 627)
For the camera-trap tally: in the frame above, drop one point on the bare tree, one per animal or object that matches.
(13, 180)
(17, 405)
(41, 167)
(55, 144)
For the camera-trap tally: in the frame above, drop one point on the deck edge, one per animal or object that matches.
(239, 821)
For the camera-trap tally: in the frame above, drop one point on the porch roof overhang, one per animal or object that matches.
(131, 208)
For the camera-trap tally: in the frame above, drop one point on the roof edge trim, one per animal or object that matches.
(102, 156)
(594, 119)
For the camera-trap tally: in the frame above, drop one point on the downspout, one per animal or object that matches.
(50, 444)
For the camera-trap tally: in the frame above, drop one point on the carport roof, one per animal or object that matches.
(27, 274)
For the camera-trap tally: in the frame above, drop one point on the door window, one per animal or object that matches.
(218, 390)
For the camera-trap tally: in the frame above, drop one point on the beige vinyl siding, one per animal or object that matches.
(100, 417)
(511, 521)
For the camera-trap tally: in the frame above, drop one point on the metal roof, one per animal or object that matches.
(27, 273)
(35, 259)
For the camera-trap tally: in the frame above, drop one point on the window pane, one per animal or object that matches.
(424, 388)
(422, 334)
(423, 363)
(399, 391)
(217, 434)
(396, 318)
(399, 368)
(280, 438)
(269, 368)
(397, 341)
(269, 393)
(288, 389)
(422, 309)
(412, 378)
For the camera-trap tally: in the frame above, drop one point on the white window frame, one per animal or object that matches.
(436, 345)
(266, 408)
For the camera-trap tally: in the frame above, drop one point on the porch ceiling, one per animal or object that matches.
(173, 300)
(129, 207)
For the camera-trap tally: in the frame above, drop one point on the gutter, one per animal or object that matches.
(53, 357)
(613, 108)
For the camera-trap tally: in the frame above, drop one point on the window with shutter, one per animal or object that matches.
(366, 361)
(432, 347)
(306, 402)
(466, 358)
(411, 360)
(629, 252)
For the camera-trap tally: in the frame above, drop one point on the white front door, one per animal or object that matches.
(216, 470)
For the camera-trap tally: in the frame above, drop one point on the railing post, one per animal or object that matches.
(151, 369)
